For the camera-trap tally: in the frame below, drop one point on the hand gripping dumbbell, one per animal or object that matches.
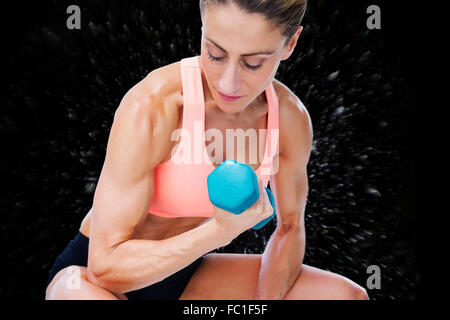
(233, 187)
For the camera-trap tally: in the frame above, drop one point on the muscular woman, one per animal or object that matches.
(151, 229)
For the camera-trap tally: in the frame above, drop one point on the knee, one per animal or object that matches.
(362, 295)
(353, 291)
(65, 282)
(359, 293)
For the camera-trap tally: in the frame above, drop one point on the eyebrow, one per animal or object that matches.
(242, 55)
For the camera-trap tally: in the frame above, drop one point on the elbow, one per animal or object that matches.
(103, 277)
(291, 222)
(292, 226)
(95, 277)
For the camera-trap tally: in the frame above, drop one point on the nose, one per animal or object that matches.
(230, 81)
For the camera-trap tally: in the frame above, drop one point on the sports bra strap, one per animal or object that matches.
(194, 108)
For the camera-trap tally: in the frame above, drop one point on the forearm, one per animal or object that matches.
(135, 264)
(281, 264)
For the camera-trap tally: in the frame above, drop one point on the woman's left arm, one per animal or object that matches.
(282, 259)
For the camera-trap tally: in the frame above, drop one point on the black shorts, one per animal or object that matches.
(170, 288)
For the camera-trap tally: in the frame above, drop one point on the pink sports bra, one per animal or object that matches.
(180, 187)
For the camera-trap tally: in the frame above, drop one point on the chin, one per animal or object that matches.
(228, 110)
(225, 109)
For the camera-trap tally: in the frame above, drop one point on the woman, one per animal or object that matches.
(151, 228)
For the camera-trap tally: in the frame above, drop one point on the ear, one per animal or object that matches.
(292, 43)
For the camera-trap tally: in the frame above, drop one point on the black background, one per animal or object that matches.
(367, 180)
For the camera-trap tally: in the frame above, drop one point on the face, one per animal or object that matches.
(240, 54)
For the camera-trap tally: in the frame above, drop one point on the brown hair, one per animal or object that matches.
(285, 14)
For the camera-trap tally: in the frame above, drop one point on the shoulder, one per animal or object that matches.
(158, 91)
(152, 105)
(296, 132)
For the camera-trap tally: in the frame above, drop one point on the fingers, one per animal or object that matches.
(266, 204)
(261, 193)
(265, 201)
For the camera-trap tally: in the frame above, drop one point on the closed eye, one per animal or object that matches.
(212, 58)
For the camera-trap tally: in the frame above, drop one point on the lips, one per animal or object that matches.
(228, 98)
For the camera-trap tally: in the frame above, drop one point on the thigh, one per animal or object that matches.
(317, 284)
(226, 276)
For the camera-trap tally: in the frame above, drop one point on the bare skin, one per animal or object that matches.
(157, 103)
(220, 276)
(154, 227)
(159, 228)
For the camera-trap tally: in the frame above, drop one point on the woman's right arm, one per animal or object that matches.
(138, 141)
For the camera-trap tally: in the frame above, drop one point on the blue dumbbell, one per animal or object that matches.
(233, 187)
